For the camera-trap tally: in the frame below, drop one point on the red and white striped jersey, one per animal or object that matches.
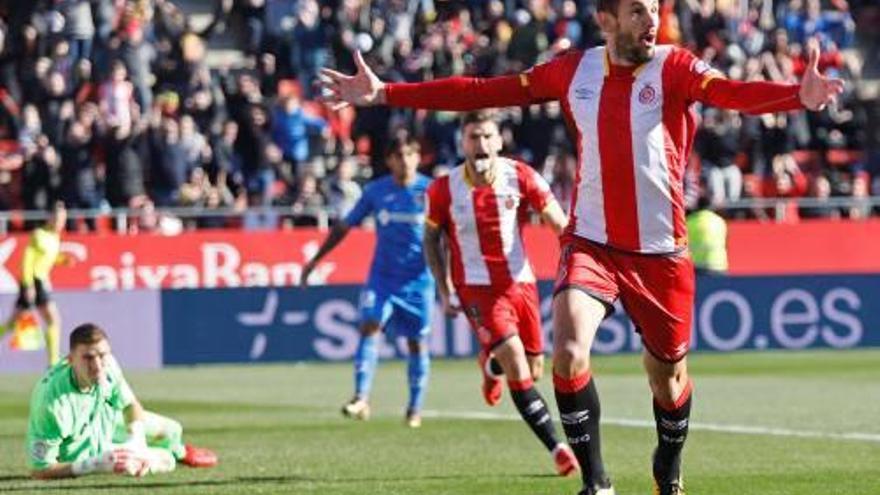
(633, 129)
(484, 223)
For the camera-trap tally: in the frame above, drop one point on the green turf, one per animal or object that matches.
(277, 430)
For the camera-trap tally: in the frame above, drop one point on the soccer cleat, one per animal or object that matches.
(413, 419)
(566, 462)
(674, 488)
(198, 457)
(492, 387)
(357, 409)
(603, 488)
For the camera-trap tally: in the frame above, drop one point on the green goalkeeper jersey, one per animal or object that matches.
(67, 424)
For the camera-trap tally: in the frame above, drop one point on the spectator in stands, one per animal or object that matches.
(117, 97)
(717, 143)
(124, 182)
(253, 143)
(343, 192)
(168, 165)
(309, 47)
(563, 167)
(308, 201)
(79, 179)
(63, 54)
(292, 127)
(861, 207)
(79, 27)
(137, 55)
(196, 150)
(41, 175)
(226, 164)
(820, 192)
(55, 105)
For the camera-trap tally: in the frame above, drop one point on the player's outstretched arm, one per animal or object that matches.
(337, 234)
(364, 88)
(756, 97)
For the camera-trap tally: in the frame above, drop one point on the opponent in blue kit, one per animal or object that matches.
(399, 294)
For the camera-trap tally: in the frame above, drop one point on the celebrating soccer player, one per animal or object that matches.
(628, 106)
(480, 208)
(399, 293)
(84, 419)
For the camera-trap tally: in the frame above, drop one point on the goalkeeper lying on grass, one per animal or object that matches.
(85, 419)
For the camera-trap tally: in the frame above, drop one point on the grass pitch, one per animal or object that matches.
(764, 423)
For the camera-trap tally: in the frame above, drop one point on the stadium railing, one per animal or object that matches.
(120, 219)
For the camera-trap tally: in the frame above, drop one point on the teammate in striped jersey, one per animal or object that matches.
(480, 208)
(629, 107)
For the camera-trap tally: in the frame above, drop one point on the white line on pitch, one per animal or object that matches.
(640, 423)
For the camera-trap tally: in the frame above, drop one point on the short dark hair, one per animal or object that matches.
(400, 141)
(609, 6)
(478, 117)
(87, 334)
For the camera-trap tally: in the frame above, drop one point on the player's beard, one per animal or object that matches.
(630, 48)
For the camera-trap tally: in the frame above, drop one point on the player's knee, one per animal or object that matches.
(369, 329)
(512, 357)
(668, 380)
(415, 346)
(570, 359)
(536, 365)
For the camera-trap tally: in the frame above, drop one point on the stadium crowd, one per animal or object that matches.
(111, 104)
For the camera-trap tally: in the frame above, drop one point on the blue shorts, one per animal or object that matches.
(404, 311)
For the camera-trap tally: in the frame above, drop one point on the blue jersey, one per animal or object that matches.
(399, 212)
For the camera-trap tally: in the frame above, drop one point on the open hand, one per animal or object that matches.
(364, 88)
(816, 89)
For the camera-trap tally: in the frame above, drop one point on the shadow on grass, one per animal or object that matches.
(238, 480)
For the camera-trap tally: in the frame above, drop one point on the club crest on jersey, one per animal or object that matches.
(647, 95)
(511, 202)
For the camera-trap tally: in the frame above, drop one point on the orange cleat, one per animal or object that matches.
(566, 462)
(492, 386)
(198, 457)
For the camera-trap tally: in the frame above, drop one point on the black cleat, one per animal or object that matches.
(674, 488)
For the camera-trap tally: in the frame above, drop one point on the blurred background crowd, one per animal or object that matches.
(154, 104)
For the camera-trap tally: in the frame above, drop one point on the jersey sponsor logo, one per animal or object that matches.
(534, 407)
(585, 438)
(673, 425)
(584, 93)
(575, 417)
(384, 217)
(647, 95)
